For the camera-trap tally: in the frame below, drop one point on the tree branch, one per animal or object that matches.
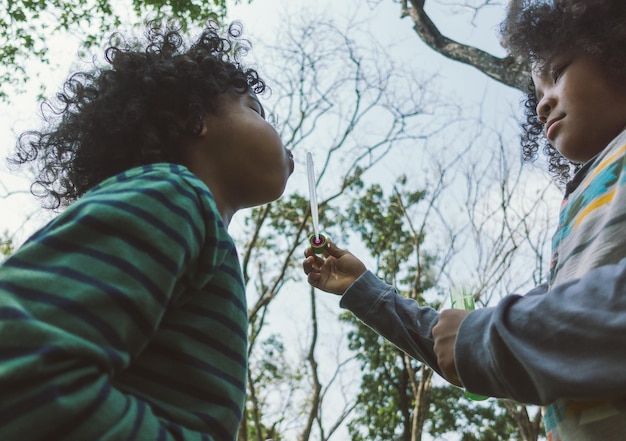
(506, 70)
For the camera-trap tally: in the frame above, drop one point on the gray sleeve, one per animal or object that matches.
(570, 343)
(400, 320)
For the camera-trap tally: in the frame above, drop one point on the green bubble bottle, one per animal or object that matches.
(462, 298)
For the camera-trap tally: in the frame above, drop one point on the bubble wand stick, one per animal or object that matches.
(317, 240)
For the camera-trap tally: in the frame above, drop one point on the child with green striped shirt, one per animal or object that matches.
(125, 317)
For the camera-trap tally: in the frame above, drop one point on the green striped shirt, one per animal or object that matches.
(125, 318)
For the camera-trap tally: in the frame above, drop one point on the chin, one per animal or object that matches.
(578, 158)
(280, 192)
(580, 151)
(267, 197)
(573, 157)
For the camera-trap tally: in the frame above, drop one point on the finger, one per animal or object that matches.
(313, 279)
(312, 263)
(307, 264)
(308, 252)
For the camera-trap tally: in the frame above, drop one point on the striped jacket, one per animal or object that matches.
(560, 345)
(125, 318)
(592, 233)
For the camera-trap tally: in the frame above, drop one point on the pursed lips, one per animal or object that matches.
(291, 161)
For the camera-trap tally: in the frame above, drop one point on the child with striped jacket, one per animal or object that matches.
(561, 345)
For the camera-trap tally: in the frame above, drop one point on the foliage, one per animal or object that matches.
(26, 27)
(451, 411)
(269, 373)
(6, 245)
(384, 400)
(382, 230)
(387, 402)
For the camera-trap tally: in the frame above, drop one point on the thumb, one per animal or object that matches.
(333, 250)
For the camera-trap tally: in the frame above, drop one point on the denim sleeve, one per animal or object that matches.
(567, 343)
(400, 320)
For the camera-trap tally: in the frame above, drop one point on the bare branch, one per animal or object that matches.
(506, 70)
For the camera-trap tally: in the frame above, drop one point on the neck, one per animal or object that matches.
(227, 213)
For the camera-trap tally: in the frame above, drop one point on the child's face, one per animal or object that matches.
(243, 160)
(581, 108)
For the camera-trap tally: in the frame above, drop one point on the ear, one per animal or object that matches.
(195, 129)
(204, 130)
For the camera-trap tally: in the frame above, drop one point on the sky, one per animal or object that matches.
(260, 19)
(480, 97)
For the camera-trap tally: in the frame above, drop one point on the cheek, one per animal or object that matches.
(268, 146)
(267, 154)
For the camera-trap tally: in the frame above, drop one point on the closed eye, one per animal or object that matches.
(255, 104)
(558, 71)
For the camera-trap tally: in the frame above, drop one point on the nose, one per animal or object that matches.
(544, 107)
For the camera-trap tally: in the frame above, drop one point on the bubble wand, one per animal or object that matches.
(317, 240)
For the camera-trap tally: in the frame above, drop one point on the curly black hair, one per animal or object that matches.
(135, 110)
(534, 31)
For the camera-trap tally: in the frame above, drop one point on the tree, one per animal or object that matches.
(6, 245)
(328, 93)
(27, 25)
(506, 70)
(12, 199)
(395, 389)
(397, 399)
